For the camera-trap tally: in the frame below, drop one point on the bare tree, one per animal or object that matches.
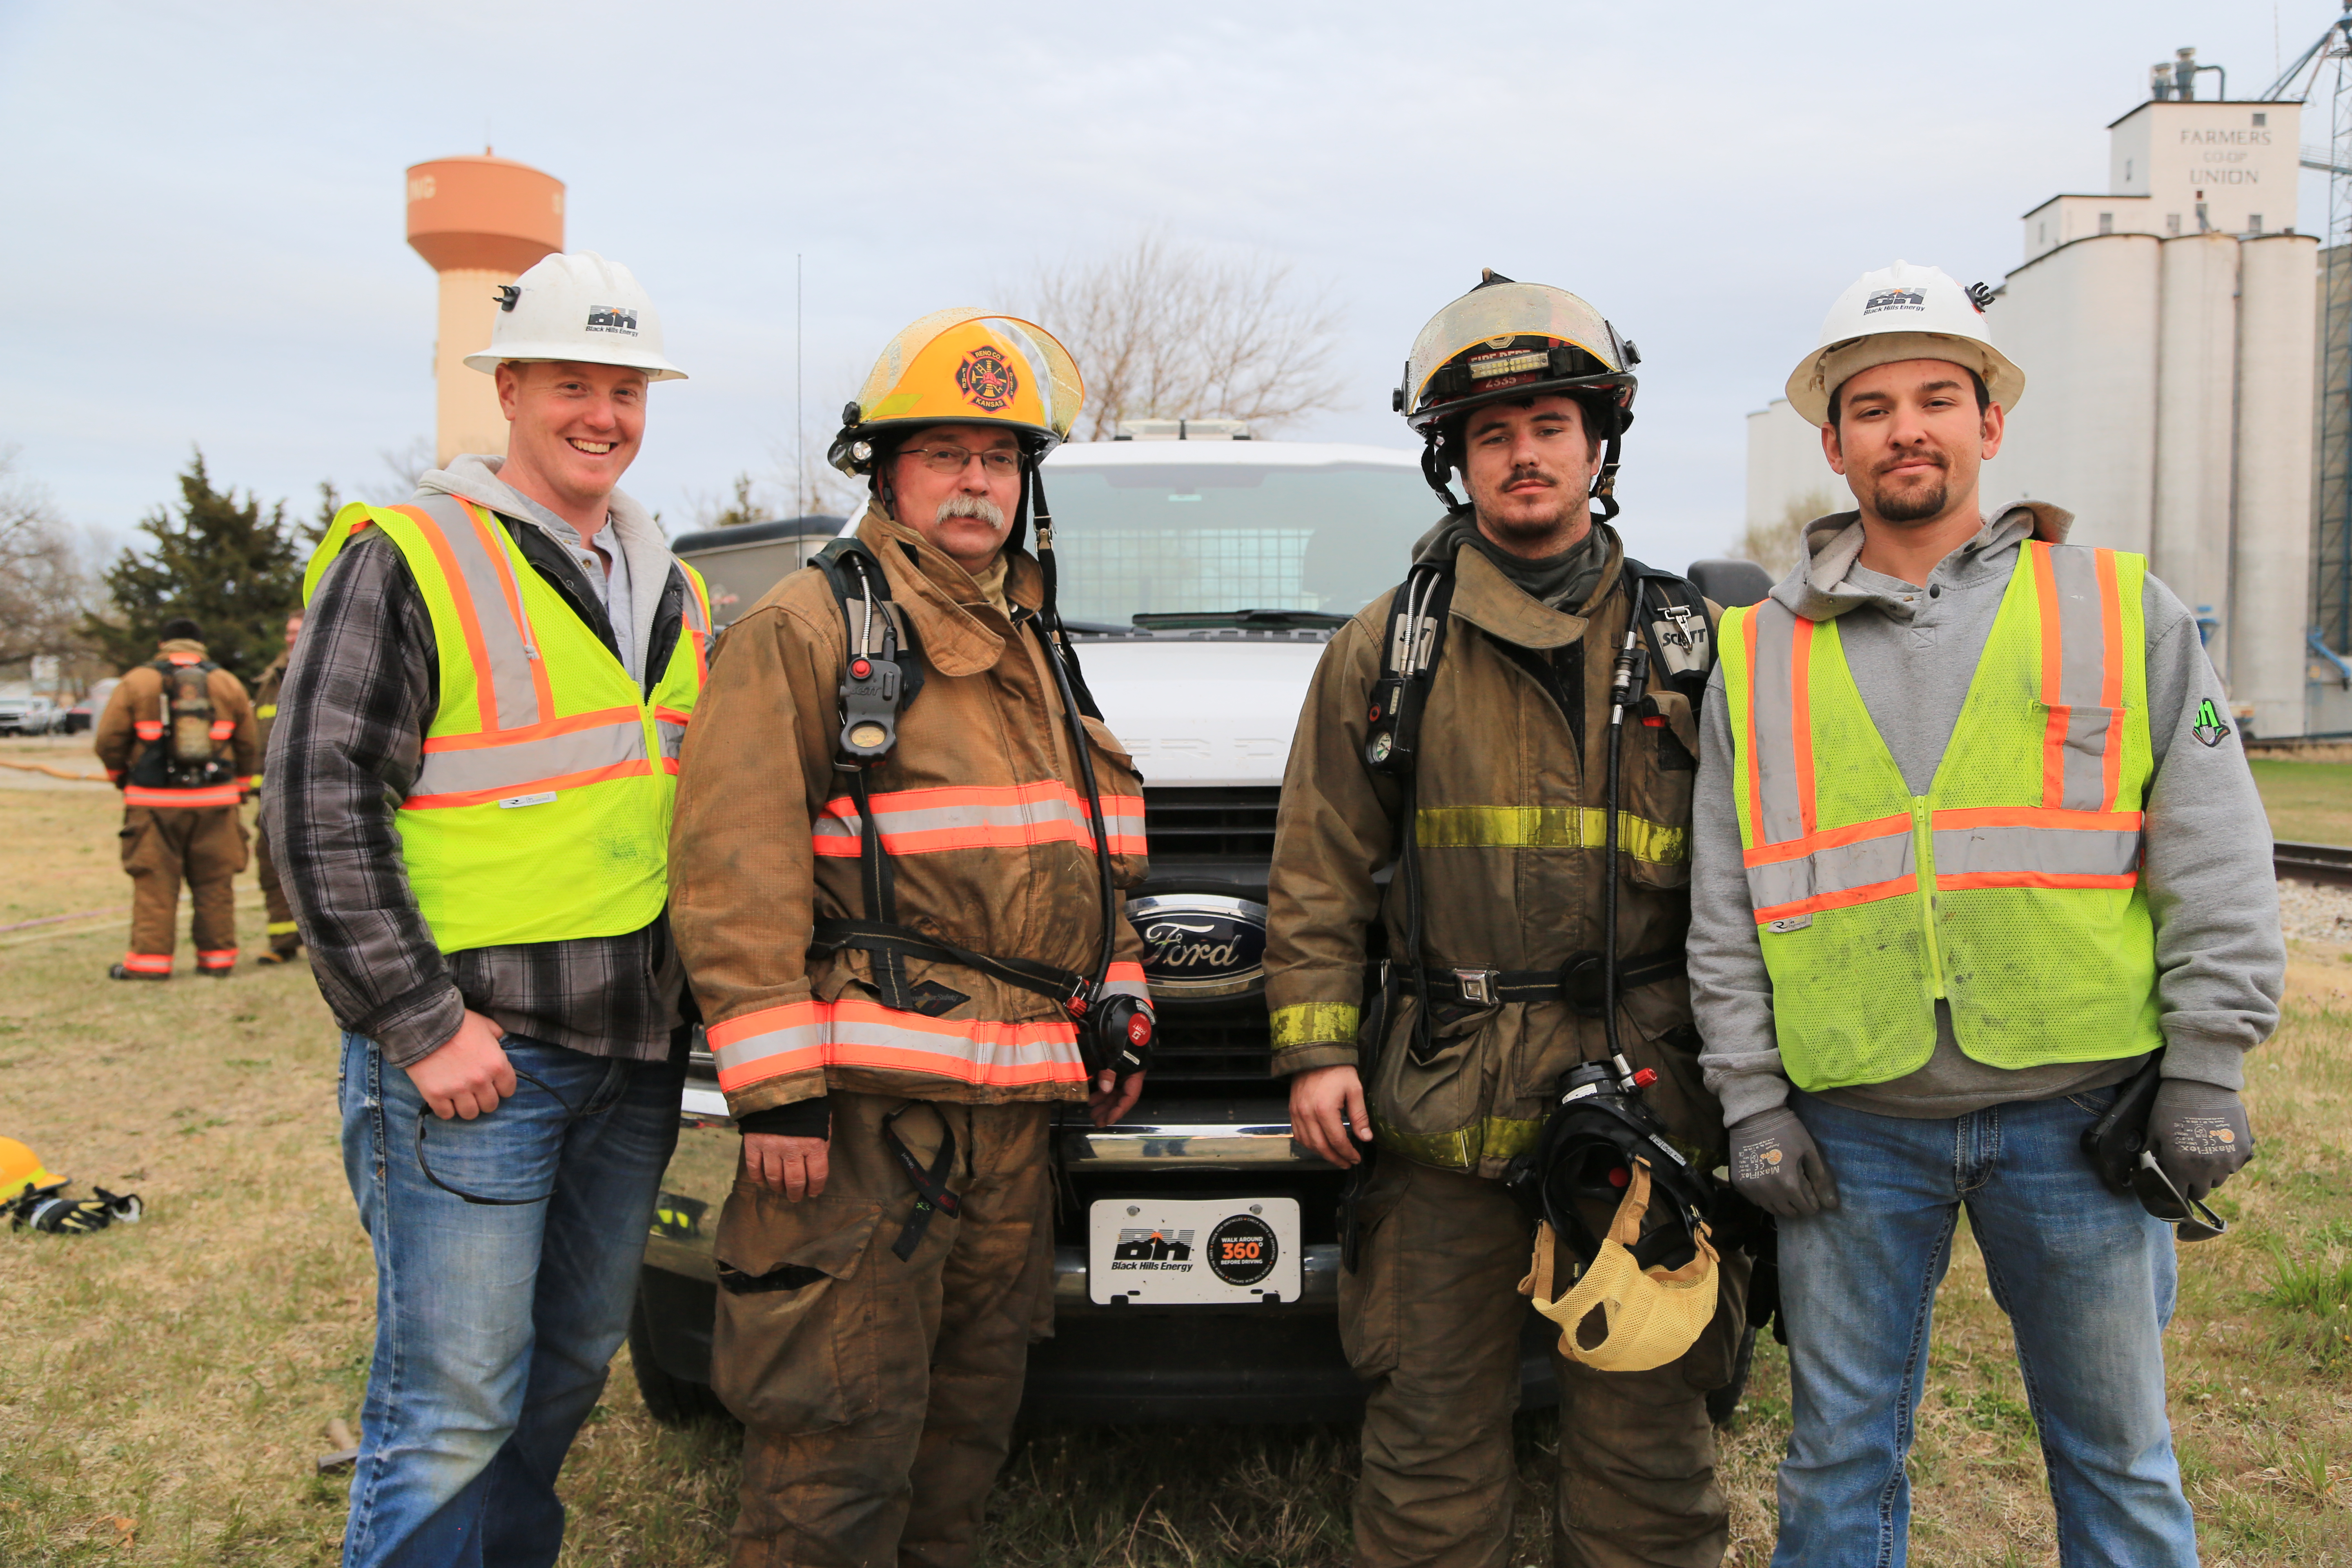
(45, 582)
(1774, 545)
(404, 465)
(1166, 330)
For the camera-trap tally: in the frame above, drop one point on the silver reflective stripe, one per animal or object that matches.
(735, 1056)
(504, 639)
(519, 762)
(1055, 817)
(673, 738)
(1139, 990)
(974, 1050)
(1771, 684)
(1835, 870)
(2083, 668)
(2053, 851)
(1122, 822)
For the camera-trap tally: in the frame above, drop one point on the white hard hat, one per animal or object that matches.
(578, 307)
(1897, 313)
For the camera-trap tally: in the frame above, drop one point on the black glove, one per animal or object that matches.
(2198, 1134)
(1776, 1166)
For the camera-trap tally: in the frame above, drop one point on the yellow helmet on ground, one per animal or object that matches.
(20, 1168)
(1504, 341)
(964, 366)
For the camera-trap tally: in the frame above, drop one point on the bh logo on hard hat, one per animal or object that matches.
(613, 319)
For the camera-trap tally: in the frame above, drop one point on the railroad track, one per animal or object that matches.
(2323, 863)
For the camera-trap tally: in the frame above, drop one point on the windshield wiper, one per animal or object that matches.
(1188, 620)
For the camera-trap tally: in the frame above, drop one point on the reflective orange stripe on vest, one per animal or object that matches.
(521, 751)
(182, 799)
(2075, 838)
(994, 816)
(800, 1036)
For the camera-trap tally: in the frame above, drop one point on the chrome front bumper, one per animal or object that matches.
(1175, 1139)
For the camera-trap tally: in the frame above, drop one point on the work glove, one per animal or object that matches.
(1776, 1166)
(2198, 1134)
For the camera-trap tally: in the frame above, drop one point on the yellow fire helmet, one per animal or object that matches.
(964, 366)
(20, 1169)
(1508, 339)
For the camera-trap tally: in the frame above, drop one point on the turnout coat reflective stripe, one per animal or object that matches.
(1510, 823)
(980, 806)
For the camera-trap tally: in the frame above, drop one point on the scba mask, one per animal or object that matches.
(1653, 1275)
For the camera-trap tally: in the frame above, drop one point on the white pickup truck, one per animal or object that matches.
(1201, 579)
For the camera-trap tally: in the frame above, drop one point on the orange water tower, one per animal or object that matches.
(479, 223)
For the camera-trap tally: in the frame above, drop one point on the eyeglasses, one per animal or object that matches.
(2159, 1197)
(1000, 464)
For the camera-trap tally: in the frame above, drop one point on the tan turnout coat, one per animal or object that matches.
(981, 804)
(1510, 826)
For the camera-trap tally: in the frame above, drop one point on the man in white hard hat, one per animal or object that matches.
(470, 794)
(1978, 869)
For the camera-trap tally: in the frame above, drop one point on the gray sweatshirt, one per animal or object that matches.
(2220, 961)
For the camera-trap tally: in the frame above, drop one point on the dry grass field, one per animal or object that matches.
(163, 1386)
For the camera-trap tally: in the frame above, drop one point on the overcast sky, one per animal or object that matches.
(205, 238)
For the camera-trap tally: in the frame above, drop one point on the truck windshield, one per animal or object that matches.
(1215, 537)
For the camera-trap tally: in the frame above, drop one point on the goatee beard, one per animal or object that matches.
(1916, 506)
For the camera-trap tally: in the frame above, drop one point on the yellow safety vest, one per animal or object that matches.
(541, 807)
(2011, 890)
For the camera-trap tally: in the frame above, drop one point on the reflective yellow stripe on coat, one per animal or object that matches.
(2009, 892)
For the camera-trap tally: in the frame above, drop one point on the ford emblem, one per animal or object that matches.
(1199, 946)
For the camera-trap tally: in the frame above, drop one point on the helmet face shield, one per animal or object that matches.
(1510, 339)
(964, 367)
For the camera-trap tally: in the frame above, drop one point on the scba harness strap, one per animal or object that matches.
(881, 677)
(1670, 616)
(183, 740)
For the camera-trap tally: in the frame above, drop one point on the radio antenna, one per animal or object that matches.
(800, 421)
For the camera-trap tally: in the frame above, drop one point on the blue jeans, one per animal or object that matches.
(2086, 1277)
(495, 1322)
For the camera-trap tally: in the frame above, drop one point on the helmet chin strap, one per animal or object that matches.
(1604, 483)
(1436, 466)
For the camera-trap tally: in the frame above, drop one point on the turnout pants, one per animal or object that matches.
(162, 848)
(285, 934)
(877, 1393)
(1432, 1317)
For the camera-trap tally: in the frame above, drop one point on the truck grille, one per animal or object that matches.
(1185, 822)
(1223, 1044)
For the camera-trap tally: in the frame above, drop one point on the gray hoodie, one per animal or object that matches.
(2220, 961)
(644, 567)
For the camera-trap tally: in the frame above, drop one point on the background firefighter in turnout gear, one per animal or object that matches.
(886, 842)
(178, 739)
(1524, 390)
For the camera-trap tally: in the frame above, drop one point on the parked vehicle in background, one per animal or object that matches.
(740, 564)
(28, 715)
(83, 715)
(1201, 579)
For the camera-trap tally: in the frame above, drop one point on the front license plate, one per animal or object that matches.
(1191, 1252)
